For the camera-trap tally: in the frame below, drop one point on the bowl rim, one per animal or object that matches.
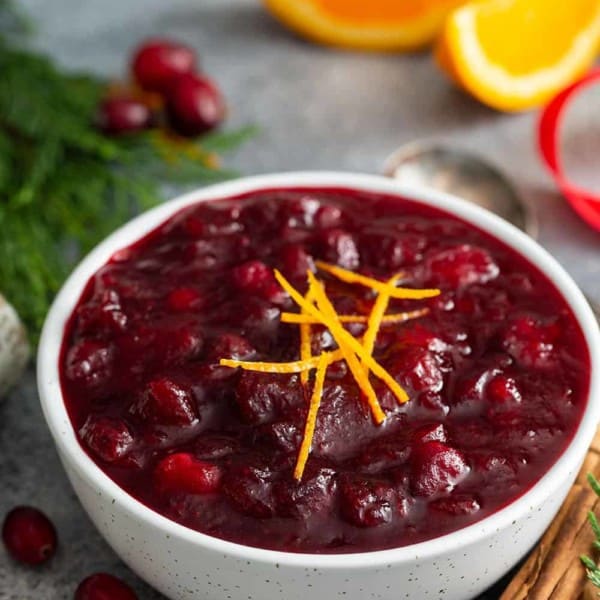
(56, 416)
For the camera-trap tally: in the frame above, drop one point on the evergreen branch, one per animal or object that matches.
(63, 184)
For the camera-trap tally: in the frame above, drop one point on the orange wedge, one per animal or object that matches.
(517, 54)
(365, 24)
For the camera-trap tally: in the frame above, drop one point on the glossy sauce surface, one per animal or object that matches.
(497, 373)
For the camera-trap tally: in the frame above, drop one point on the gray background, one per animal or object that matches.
(317, 109)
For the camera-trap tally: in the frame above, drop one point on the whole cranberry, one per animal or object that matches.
(108, 438)
(117, 116)
(28, 535)
(102, 586)
(157, 63)
(194, 105)
(182, 472)
(183, 299)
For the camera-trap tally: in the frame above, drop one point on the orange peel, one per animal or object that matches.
(341, 335)
(296, 366)
(375, 318)
(401, 293)
(299, 318)
(325, 360)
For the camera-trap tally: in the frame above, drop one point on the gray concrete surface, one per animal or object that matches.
(317, 109)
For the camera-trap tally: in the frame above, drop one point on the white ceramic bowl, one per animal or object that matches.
(185, 564)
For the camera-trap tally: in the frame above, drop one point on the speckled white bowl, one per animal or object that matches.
(185, 564)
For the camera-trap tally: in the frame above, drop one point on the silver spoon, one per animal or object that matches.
(432, 165)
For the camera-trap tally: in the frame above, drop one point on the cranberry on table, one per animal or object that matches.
(29, 535)
(194, 105)
(157, 63)
(116, 116)
(103, 586)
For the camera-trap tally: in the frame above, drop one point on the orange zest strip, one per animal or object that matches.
(335, 327)
(299, 318)
(305, 341)
(311, 420)
(297, 366)
(376, 317)
(341, 335)
(375, 284)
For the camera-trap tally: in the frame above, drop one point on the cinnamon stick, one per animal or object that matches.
(553, 570)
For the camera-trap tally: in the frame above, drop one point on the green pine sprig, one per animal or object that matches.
(63, 184)
(592, 567)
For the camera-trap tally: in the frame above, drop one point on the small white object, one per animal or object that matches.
(14, 349)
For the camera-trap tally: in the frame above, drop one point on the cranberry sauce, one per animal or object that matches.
(497, 373)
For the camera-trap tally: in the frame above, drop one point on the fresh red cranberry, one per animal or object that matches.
(165, 402)
(338, 247)
(250, 489)
(117, 116)
(29, 536)
(89, 363)
(194, 105)
(184, 299)
(182, 472)
(462, 265)
(102, 586)
(158, 63)
(368, 502)
(108, 438)
(436, 468)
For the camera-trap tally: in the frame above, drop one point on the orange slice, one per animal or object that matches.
(517, 54)
(365, 24)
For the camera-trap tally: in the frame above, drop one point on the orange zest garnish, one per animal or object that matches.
(297, 366)
(317, 309)
(343, 338)
(299, 319)
(305, 342)
(338, 333)
(374, 322)
(325, 360)
(375, 284)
